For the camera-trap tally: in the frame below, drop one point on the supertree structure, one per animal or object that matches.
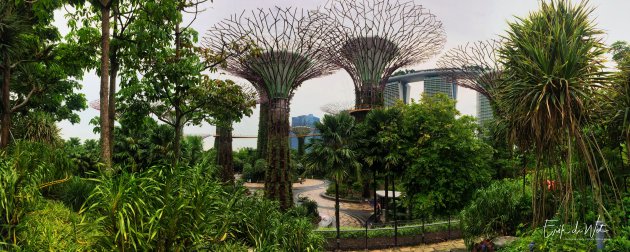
(475, 65)
(371, 39)
(337, 107)
(287, 50)
(301, 132)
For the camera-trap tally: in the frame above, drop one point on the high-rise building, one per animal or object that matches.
(435, 81)
(303, 120)
(440, 84)
(395, 91)
(484, 111)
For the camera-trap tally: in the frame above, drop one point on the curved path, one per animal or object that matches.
(350, 214)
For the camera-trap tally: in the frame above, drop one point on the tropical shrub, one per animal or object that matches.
(51, 226)
(26, 170)
(124, 208)
(73, 192)
(37, 127)
(445, 160)
(308, 208)
(166, 209)
(18, 195)
(256, 172)
(496, 210)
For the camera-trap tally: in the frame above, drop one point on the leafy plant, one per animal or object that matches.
(125, 208)
(496, 210)
(51, 226)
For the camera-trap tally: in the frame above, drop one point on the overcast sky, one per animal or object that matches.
(463, 21)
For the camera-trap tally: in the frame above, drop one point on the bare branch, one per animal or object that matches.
(474, 65)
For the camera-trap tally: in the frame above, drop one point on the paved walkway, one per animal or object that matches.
(454, 245)
(350, 214)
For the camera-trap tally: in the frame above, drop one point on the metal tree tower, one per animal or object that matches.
(475, 66)
(287, 50)
(374, 38)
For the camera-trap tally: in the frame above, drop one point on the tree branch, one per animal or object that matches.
(25, 101)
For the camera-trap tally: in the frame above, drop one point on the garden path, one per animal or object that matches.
(454, 245)
(350, 214)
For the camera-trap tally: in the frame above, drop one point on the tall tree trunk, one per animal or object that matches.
(177, 141)
(263, 128)
(277, 181)
(369, 97)
(375, 198)
(395, 211)
(112, 96)
(114, 66)
(300, 145)
(224, 154)
(385, 206)
(106, 141)
(6, 102)
(337, 211)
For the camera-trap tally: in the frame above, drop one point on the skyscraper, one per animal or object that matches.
(484, 111)
(395, 91)
(439, 84)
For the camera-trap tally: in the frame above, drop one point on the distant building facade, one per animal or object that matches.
(435, 81)
(440, 84)
(303, 120)
(484, 111)
(395, 91)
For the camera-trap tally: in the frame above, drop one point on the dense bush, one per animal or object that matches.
(496, 210)
(162, 208)
(26, 170)
(446, 161)
(255, 172)
(181, 208)
(308, 208)
(51, 226)
(352, 191)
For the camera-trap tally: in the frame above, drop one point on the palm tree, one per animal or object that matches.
(333, 152)
(552, 72)
(376, 141)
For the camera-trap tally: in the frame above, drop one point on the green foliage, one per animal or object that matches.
(18, 194)
(548, 244)
(42, 68)
(256, 172)
(446, 161)
(496, 210)
(408, 230)
(124, 208)
(333, 151)
(73, 192)
(552, 77)
(36, 127)
(26, 170)
(84, 156)
(53, 227)
(267, 229)
(307, 208)
(620, 51)
(182, 209)
(192, 150)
